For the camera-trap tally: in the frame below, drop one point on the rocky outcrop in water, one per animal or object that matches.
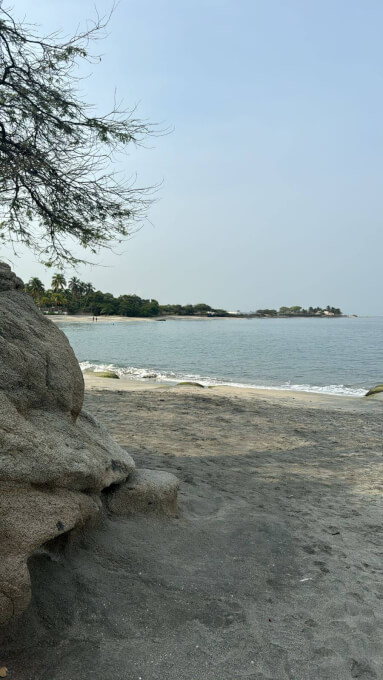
(54, 458)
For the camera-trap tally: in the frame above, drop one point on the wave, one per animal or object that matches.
(171, 377)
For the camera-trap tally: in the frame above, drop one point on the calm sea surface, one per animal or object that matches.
(338, 356)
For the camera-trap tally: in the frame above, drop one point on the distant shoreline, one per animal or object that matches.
(74, 318)
(86, 318)
(296, 316)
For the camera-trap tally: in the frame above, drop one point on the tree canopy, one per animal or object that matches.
(82, 298)
(297, 310)
(56, 180)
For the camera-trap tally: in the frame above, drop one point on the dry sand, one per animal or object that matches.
(272, 571)
(86, 318)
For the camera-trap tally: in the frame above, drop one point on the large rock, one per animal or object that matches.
(54, 457)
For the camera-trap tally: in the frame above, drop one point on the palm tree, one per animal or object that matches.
(75, 286)
(82, 288)
(58, 282)
(36, 288)
(88, 289)
(58, 299)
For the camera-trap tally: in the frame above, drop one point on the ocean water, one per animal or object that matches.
(335, 356)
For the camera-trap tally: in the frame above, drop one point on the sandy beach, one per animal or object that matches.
(272, 571)
(86, 318)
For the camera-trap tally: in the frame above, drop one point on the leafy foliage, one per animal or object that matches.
(81, 297)
(55, 154)
(297, 310)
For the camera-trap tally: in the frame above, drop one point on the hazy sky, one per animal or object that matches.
(272, 187)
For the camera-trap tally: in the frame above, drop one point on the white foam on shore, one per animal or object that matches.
(145, 374)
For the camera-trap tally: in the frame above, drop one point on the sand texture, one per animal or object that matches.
(272, 571)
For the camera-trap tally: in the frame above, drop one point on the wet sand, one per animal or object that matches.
(272, 571)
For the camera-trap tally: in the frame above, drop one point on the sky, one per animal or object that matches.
(271, 176)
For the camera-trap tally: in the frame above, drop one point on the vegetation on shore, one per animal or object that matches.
(78, 297)
(297, 311)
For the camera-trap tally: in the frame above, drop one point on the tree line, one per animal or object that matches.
(77, 297)
(296, 310)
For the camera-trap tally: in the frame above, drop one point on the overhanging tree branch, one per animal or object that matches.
(55, 156)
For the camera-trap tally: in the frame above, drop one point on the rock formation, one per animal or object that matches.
(152, 491)
(54, 458)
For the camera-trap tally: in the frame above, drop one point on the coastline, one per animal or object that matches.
(272, 396)
(86, 318)
(205, 353)
(75, 318)
(68, 318)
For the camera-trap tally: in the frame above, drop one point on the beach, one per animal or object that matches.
(306, 355)
(86, 318)
(191, 348)
(272, 569)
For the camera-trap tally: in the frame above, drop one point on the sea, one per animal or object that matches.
(327, 355)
